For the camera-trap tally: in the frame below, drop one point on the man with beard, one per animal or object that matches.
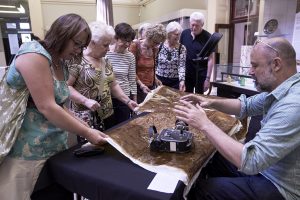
(268, 166)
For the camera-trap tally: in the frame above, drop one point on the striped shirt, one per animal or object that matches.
(124, 70)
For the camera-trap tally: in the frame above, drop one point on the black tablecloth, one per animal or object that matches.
(107, 176)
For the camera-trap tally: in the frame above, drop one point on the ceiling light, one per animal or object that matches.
(20, 10)
(5, 6)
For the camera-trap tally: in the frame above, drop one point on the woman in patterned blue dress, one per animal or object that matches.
(40, 66)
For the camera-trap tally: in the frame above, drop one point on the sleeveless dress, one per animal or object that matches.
(38, 138)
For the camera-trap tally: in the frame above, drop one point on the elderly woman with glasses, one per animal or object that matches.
(123, 63)
(145, 51)
(92, 82)
(40, 68)
(170, 62)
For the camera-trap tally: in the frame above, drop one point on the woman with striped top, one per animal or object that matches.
(123, 63)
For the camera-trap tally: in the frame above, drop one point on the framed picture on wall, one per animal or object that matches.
(244, 8)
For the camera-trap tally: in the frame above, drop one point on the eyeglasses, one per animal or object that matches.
(268, 45)
(78, 45)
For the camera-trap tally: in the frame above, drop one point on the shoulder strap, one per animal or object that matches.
(180, 45)
(138, 49)
(159, 48)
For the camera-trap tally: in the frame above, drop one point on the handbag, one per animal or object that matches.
(97, 122)
(13, 103)
(91, 118)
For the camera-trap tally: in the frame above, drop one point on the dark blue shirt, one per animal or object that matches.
(194, 46)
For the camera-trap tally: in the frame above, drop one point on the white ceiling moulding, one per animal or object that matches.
(134, 3)
(69, 2)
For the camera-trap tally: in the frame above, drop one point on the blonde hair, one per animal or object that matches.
(156, 33)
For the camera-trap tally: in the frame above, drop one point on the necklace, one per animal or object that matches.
(56, 63)
(56, 66)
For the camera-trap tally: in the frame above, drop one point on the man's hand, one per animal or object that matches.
(191, 114)
(195, 99)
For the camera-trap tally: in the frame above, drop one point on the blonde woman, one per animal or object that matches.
(145, 51)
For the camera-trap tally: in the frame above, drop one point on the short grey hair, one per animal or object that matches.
(143, 28)
(100, 30)
(197, 16)
(173, 26)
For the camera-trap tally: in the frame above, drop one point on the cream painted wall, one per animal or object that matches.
(216, 11)
(52, 9)
(36, 17)
(161, 7)
(44, 12)
(124, 13)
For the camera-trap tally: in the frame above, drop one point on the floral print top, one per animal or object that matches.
(38, 138)
(92, 83)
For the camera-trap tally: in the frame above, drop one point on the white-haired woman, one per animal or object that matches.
(142, 30)
(170, 62)
(92, 82)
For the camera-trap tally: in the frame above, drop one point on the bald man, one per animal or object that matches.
(268, 166)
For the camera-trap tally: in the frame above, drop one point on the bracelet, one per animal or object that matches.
(128, 101)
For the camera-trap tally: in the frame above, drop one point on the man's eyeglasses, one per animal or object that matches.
(266, 44)
(78, 45)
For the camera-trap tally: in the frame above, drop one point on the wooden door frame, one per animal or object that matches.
(230, 42)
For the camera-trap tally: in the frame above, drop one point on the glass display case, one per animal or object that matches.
(231, 72)
(232, 80)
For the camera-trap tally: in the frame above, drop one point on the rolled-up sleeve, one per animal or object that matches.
(278, 137)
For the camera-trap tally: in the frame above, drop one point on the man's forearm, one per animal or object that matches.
(228, 106)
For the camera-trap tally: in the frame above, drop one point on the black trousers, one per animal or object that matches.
(220, 180)
(141, 95)
(171, 82)
(191, 82)
(121, 111)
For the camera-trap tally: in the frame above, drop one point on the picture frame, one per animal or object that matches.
(244, 8)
